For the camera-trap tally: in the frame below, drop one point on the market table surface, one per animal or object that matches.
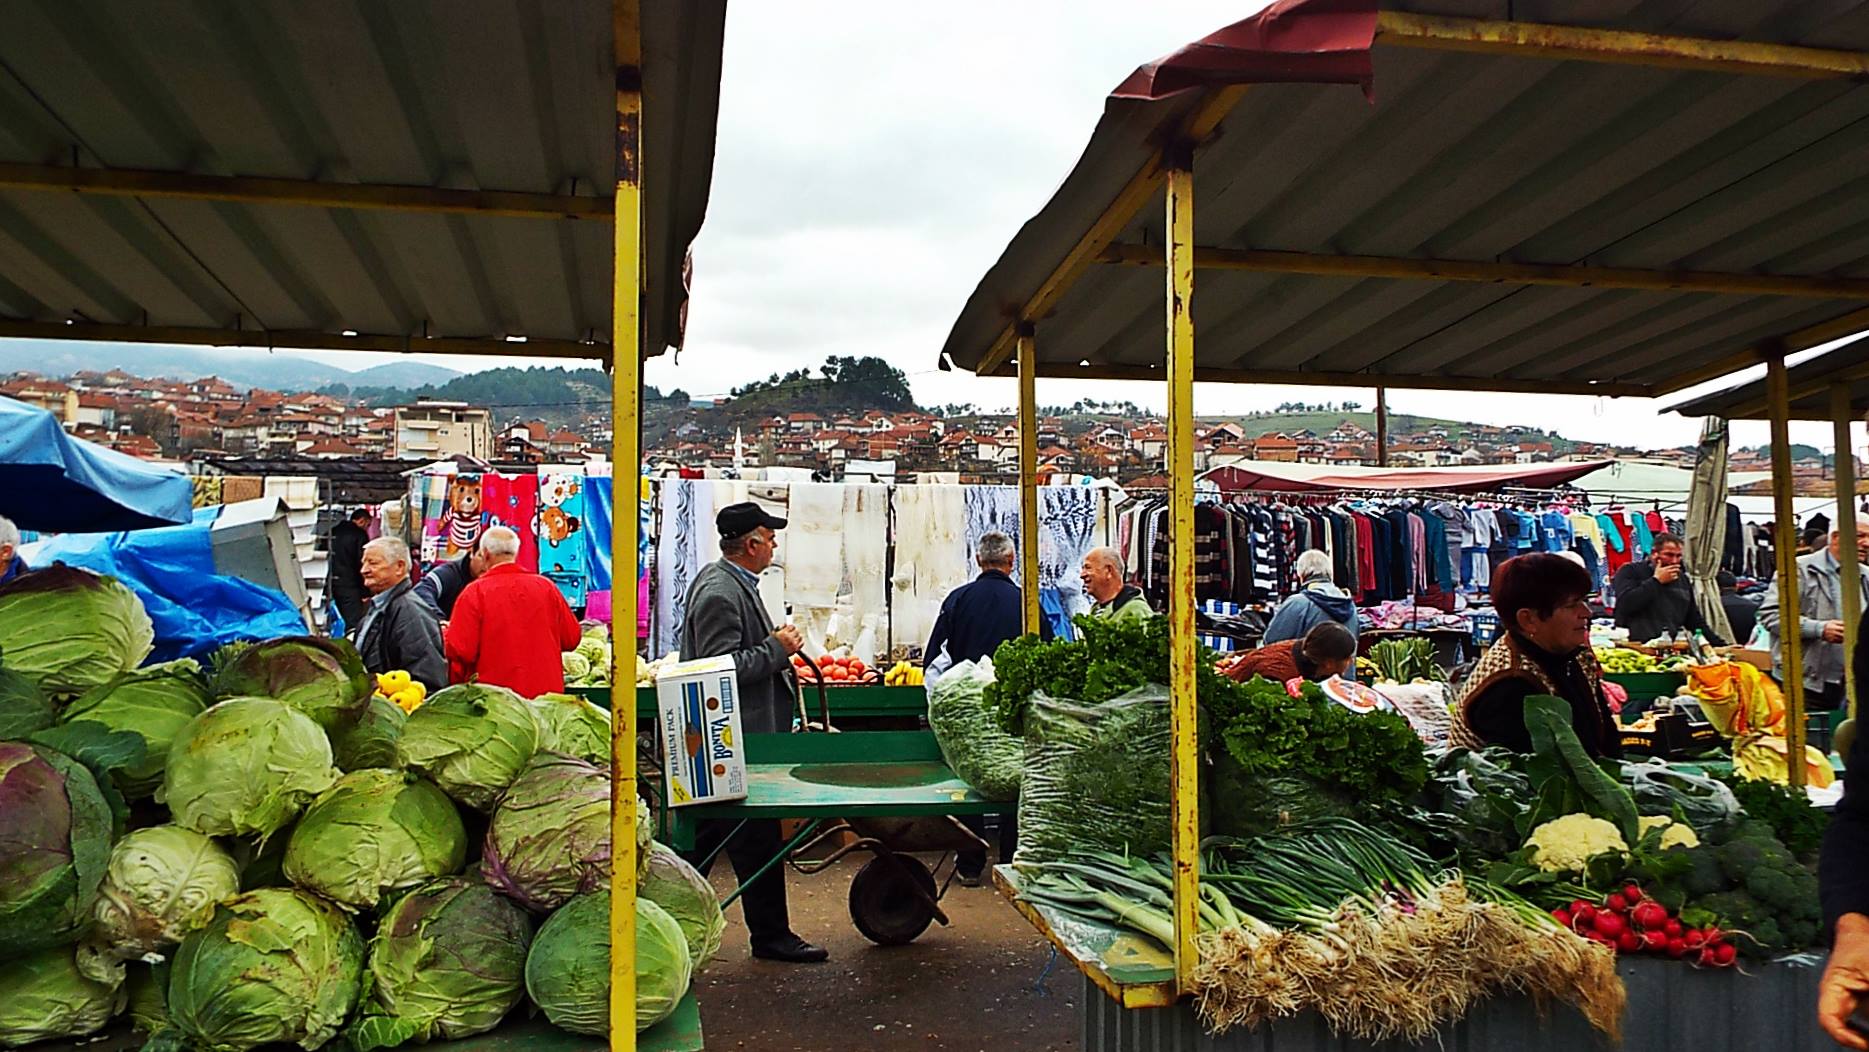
(847, 775)
(1130, 969)
(856, 702)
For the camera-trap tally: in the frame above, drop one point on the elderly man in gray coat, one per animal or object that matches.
(726, 617)
(1820, 624)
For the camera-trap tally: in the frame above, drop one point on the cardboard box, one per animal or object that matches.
(703, 749)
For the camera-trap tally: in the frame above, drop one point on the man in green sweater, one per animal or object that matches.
(1102, 574)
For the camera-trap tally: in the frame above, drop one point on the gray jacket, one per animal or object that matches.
(725, 616)
(402, 634)
(1820, 599)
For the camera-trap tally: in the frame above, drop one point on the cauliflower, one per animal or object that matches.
(1674, 834)
(1566, 844)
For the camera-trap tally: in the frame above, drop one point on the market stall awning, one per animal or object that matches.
(425, 175)
(1811, 383)
(1304, 478)
(1619, 198)
(52, 482)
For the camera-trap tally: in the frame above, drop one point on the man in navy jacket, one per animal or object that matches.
(975, 619)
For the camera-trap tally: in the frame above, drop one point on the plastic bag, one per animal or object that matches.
(1096, 776)
(972, 743)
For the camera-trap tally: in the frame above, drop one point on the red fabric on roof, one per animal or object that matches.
(1442, 480)
(1303, 41)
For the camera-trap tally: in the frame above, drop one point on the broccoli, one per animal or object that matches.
(1754, 887)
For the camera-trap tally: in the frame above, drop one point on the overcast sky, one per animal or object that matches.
(873, 161)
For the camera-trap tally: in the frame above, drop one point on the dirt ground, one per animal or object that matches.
(973, 986)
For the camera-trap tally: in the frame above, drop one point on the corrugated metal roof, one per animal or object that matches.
(464, 94)
(1809, 383)
(1481, 158)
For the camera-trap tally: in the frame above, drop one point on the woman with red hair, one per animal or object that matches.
(1542, 602)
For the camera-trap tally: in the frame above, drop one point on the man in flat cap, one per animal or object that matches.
(725, 616)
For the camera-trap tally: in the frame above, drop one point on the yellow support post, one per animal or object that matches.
(1846, 524)
(1027, 346)
(625, 461)
(1790, 642)
(1178, 162)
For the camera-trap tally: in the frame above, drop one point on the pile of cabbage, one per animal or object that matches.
(255, 852)
(589, 664)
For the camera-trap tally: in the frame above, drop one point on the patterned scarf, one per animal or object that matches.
(1507, 659)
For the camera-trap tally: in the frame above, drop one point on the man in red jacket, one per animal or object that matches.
(510, 625)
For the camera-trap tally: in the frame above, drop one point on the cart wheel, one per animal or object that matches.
(885, 906)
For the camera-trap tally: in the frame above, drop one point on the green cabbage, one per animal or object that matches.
(162, 883)
(55, 829)
(43, 995)
(577, 667)
(148, 991)
(473, 740)
(371, 741)
(275, 965)
(154, 703)
(23, 706)
(246, 767)
(596, 650)
(671, 883)
(70, 630)
(323, 678)
(573, 726)
(448, 962)
(550, 835)
(373, 833)
(568, 970)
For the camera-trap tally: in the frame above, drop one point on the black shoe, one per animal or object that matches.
(968, 880)
(791, 949)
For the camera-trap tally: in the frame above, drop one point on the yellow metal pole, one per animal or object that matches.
(1027, 341)
(1182, 651)
(1790, 641)
(625, 459)
(1846, 523)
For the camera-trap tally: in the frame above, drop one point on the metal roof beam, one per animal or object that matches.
(299, 339)
(1500, 273)
(1202, 374)
(1582, 44)
(127, 182)
(1138, 191)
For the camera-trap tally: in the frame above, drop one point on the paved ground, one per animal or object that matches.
(969, 987)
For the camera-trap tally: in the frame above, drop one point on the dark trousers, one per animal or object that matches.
(973, 863)
(757, 843)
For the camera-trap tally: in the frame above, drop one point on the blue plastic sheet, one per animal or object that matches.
(171, 569)
(54, 482)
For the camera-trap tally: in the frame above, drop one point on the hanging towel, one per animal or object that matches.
(513, 501)
(561, 524)
(813, 544)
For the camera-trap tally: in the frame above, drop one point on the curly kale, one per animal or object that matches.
(1788, 811)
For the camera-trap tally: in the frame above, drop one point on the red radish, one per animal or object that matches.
(1677, 948)
(1611, 924)
(1673, 928)
(1628, 942)
(1650, 915)
(1724, 953)
(1654, 941)
(1562, 916)
(1694, 938)
(1632, 894)
(1617, 903)
(1714, 934)
(1584, 912)
(1708, 959)
(1578, 906)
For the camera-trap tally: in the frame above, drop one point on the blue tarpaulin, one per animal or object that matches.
(52, 482)
(171, 569)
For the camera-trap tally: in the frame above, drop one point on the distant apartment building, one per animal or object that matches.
(436, 430)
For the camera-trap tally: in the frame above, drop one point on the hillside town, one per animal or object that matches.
(210, 420)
